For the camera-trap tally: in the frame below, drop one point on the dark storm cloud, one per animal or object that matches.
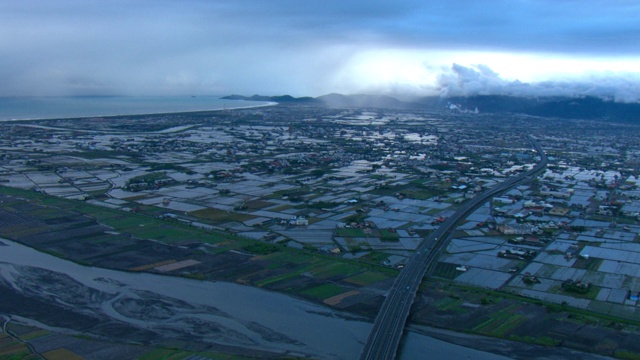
(160, 46)
(588, 27)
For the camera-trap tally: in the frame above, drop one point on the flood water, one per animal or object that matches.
(211, 312)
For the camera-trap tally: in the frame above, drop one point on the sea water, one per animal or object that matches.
(54, 107)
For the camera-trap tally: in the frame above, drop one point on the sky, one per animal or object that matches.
(402, 48)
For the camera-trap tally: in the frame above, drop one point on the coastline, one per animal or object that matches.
(125, 113)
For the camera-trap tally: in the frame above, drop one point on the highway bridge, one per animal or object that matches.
(384, 338)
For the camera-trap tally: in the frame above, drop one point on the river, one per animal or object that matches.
(210, 312)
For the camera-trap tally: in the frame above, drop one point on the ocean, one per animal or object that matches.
(54, 107)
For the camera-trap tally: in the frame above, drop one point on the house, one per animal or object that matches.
(517, 229)
(559, 211)
(556, 194)
(519, 214)
(504, 200)
(299, 221)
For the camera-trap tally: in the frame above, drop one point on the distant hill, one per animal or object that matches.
(278, 99)
(376, 101)
(332, 100)
(561, 107)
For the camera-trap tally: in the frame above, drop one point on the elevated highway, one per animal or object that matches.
(385, 335)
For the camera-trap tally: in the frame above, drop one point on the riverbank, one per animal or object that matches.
(156, 311)
(163, 311)
(502, 347)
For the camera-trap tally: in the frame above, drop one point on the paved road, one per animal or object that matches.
(386, 333)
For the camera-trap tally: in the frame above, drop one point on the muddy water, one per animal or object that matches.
(210, 312)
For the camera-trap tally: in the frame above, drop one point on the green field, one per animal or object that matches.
(446, 271)
(375, 257)
(391, 236)
(332, 269)
(591, 264)
(221, 215)
(321, 267)
(448, 303)
(317, 267)
(501, 323)
(420, 194)
(351, 232)
(366, 278)
(324, 291)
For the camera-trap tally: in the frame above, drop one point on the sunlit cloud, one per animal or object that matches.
(145, 47)
(482, 80)
(458, 73)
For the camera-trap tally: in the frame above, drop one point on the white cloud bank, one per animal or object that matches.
(482, 80)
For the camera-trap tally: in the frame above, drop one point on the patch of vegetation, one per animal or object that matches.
(626, 355)
(356, 218)
(501, 322)
(53, 253)
(590, 264)
(324, 291)
(580, 290)
(366, 278)
(317, 173)
(448, 303)
(445, 270)
(152, 180)
(170, 167)
(261, 248)
(375, 257)
(196, 276)
(257, 204)
(545, 340)
(350, 232)
(330, 270)
(389, 236)
(217, 215)
(421, 194)
(323, 205)
(381, 177)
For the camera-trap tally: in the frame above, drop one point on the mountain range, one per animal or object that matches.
(562, 107)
